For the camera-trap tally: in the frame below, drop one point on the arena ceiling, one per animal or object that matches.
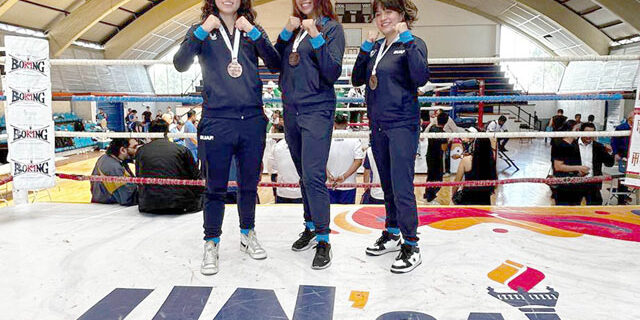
(144, 29)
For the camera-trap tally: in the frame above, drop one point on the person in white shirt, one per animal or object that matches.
(170, 113)
(345, 157)
(371, 175)
(285, 171)
(498, 126)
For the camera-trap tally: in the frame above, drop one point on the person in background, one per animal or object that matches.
(170, 112)
(620, 146)
(578, 118)
(189, 127)
(146, 116)
(133, 120)
(565, 157)
(479, 165)
(115, 163)
(371, 175)
(284, 171)
(162, 158)
(345, 157)
(498, 126)
(557, 121)
(435, 152)
(126, 119)
(101, 119)
(593, 155)
(177, 127)
(591, 118)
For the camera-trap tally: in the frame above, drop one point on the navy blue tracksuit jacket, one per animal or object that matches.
(394, 115)
(233, 121)
(309, 105)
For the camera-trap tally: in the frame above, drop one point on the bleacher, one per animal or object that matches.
(496, 83)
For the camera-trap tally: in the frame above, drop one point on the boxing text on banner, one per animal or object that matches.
(28, 113)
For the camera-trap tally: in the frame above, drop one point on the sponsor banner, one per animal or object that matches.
(28, 113)
(633, 158)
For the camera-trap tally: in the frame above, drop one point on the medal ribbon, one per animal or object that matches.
(381, 53)
(236, 43)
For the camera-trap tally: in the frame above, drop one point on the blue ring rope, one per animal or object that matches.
(456, 99)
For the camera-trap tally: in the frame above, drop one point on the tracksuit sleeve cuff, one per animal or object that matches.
(200, 33)
(367, 46)
(317, 42)
(286, 34)
(254, 34)
(406, 36)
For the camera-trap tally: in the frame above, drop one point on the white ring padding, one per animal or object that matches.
(365, 134)
(443, 108)
(109, 62)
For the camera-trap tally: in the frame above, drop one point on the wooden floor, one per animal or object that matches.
(532, 159)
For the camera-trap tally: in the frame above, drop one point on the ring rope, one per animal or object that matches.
(433, 184)
(366, 135)
(475, 60)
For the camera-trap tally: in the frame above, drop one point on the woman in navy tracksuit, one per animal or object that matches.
(393, 68)
(233, 122)
(311, 46)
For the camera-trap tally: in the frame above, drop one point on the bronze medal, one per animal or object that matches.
(373, 82)
(294, 59)
(234, 69)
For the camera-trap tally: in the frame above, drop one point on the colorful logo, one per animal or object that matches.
(535, 305)
(28, 64)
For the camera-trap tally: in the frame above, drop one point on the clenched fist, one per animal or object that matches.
(310, 26)
(243, 24)
(211, 23)
(292, 24)
(372, 36)
(401, 27)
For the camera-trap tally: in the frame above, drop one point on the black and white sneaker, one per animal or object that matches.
(407, 260)
(388, 242)
(322, 259)
(306, 241)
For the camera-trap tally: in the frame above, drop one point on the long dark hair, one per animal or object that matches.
(406, 8)
(246, 10)
(483, 163)
(322, 8)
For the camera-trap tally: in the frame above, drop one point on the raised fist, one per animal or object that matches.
(372, 36)
(310, 26)
(402, 27)
(211, 23)
(292, 24)
(243, 24)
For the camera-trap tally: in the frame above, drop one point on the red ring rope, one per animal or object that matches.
(6, 180)
(476, 183)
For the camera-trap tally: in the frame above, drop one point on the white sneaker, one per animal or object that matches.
(210, 259)
(249, 244)
(408, 259)
(388, 242)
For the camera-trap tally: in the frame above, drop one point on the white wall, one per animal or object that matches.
(450, 32)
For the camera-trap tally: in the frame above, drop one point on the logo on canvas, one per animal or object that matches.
(37, 168)
(41, 134)
(28, 96)
(28, 64)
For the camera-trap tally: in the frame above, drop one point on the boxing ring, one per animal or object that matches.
(92, 261)
(98, 262)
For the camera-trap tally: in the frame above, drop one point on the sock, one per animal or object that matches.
(215, 240)
(245, 231)
(322, 237)
(310, 225)
(411, 243)
(394, 231)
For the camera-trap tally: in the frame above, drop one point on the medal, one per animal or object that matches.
(373, 80)
(294, 57)
(234, 69)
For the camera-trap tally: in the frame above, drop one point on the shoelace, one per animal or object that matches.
(384, 238)
(253, 243)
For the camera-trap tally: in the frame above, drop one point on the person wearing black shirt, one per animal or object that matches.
(435, 152)
(565, 158)
(146, 115)
(162, 158)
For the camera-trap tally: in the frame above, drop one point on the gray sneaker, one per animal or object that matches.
(210, 259)
(249, 244)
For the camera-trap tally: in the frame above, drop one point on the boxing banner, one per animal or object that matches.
(633, 158)
(28, 113)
